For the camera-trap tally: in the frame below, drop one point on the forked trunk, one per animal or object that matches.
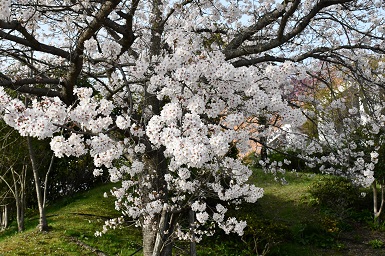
(43, 225)
(156, 236)
(156, 229)
(19, 195)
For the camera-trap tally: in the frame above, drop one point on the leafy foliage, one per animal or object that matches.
(336, 194)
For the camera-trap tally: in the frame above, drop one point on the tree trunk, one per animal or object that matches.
(159, 241)
(17, 189)
(5, 217)
(19, 195)
(149, 234)
(262, 121)
(193, 249)
(43, 225)
(378, 210)
(2, 217)
(46, 181)
(155, 163)
(163, 244)
(153, 227)
(20, 215)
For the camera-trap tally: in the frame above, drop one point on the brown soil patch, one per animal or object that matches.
(357, 242)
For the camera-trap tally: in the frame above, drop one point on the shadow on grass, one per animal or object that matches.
(276, 225)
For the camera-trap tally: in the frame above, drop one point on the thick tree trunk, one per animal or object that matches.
(149, 234)
(155, 243)
(43, 225)
(163, 244)
(155, 239)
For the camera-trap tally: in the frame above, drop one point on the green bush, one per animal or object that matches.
(336, 195)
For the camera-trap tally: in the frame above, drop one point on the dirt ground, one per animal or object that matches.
(357, 242)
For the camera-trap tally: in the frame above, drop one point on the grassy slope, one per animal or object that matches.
(79, 217)
(76, 218)
(285, 207)
(287, 204)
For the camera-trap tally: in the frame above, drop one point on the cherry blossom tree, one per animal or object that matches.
(153, 91)
(344, 134)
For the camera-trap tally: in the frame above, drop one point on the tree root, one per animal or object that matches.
(87, 247)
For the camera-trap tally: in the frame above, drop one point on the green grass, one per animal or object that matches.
(282, 220)
(73, 219)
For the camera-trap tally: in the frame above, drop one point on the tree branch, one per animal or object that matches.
(233, 50)
(22, 85)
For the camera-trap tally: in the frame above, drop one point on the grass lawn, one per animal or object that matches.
(73, 220)
(282, 221)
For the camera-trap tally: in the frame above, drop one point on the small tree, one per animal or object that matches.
(13, 174)
(41, 193)
(17, 187)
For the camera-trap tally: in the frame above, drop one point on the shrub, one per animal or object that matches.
(336, 195)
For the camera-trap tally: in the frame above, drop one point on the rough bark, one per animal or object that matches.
(155, 241)
(149, 234)
(20, 215)
(155, 160)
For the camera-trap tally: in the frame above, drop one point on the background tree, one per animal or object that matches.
(13, 176)
(345, 111)
(160, 111)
